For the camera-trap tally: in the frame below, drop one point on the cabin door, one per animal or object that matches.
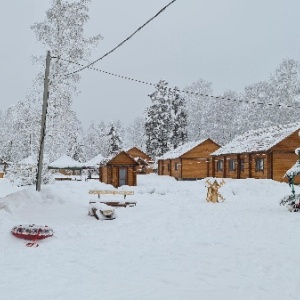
(122, 176)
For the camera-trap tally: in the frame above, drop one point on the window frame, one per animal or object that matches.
(232, 164)
(176, 166)
(259, 164)
(220, 165)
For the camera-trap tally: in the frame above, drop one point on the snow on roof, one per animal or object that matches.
(258, 140)
(65, 162)
(181, 150)
(95, 162)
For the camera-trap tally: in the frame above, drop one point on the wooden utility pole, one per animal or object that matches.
(43, 123)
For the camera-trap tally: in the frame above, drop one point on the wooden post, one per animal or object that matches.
(250, 165)
(43, 123)
(238, 169)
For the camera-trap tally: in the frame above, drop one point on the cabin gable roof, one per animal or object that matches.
(259, 140)
(122, 158)
(184, 150)
(136, 152)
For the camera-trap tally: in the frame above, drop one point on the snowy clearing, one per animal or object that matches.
(171, 245)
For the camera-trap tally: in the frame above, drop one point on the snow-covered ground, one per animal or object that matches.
(172, 245)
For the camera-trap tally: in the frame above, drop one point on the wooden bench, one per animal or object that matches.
(113, 192)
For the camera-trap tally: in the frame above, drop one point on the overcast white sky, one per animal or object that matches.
(231, 43)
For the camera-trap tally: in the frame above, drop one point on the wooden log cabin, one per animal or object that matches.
(144, 160)
(263, 153)
(188, 162)
(120, 170)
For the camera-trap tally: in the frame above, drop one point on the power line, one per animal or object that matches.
(124, 41)
(109, 73)
(181, 91)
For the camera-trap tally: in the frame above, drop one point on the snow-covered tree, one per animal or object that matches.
(285, 84)
(158, 124)
(62, 32)
(76, 148)
(198, 108)
(114, 141)
(135, 134)
(179, 118)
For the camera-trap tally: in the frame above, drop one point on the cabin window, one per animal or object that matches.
(176, 166)
(232, 164)
(242, 165)
(259, 164)
(168, 167)
(220, 165)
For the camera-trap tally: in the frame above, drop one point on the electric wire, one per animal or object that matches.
(124, 41)
(181, 91)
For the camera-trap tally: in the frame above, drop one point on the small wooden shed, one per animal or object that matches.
(189, 161)
(262, 153)
(120, 170)
(144, 160)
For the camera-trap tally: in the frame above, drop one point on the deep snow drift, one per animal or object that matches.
(172, 245)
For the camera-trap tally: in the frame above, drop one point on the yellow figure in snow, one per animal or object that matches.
(213, 194)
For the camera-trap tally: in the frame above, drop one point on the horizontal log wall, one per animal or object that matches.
(283, 162)
(195, 168)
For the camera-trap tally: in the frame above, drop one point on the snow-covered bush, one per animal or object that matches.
(26, 174)
(292, 202)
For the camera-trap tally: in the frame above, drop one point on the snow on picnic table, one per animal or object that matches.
(172, 245)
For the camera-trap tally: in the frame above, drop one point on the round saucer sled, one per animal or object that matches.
(32, 232)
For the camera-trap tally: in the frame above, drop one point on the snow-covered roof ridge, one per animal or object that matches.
(258, 140)
(65, 161)
(181, 150)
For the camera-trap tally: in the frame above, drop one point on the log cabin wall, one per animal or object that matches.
(284, 157)
(234, 166)
(194, 168)
(288, 144)
(103, 174)
(164, 167)
(218, 166)
(196, 163)
(282, 161)
(131, 175)
(231, 166)
(121, 160)
(114, 178)
(243, 162)
(259, 166)
(113, 175)
(175, 168)
(159, 167)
